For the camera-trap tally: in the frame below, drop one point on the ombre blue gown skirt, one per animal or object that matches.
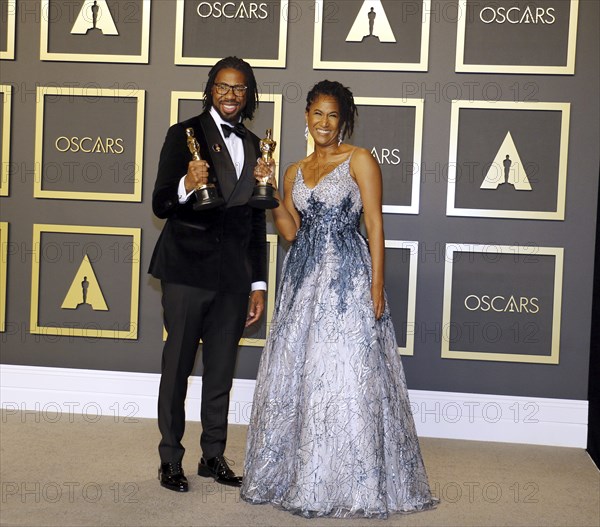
(331, 431)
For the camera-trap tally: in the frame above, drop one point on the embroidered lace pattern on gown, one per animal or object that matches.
(331, 431)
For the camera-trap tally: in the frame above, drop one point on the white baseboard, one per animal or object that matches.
(59, 393)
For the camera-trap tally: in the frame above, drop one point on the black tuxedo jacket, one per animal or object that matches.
(222, 249)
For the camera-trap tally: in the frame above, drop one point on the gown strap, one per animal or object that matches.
(349, 158)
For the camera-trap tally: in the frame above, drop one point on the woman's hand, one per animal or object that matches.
(378, 300)
(263, 172)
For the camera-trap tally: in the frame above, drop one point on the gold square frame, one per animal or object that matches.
(559, 213)
(273, 241)
(132, 232)
(419, 105)
(9, 53)
(270, 98)
(413, 247)
(422, 65)
(142, 58)
(38, 192)
(3, 269)
(567, 69)
(557, 252)
(6, 92)
(277, 100)
(279, 62)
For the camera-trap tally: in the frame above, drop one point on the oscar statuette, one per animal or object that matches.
(263, 196)
(207, 196)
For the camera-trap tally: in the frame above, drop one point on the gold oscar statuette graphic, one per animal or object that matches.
(207, 196)
(263, 196)
(94, 16)
(85, 290)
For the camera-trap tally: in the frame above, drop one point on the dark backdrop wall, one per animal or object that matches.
(431, 226)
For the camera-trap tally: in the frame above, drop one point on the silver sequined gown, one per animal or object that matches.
(331, 431)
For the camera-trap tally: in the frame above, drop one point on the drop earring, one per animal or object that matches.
(306, 132)
(340, 137)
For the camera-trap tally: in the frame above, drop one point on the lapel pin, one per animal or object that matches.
(217, 147)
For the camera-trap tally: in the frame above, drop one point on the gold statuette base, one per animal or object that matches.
(263, 197)
(207, 198)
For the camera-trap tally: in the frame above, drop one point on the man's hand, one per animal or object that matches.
(256, 307)
(197, 175)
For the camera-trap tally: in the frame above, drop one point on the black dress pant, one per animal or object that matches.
(191, 314)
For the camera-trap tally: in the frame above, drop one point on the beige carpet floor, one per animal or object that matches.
(65, 470)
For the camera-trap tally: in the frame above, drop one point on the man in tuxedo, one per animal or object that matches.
(208, 262)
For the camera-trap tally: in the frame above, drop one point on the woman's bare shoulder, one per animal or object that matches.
(362, 158)
(361, 154)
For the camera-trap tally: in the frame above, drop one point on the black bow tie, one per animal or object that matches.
(239, 130)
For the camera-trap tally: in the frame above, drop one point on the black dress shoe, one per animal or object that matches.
(171, 477)
(218, 469)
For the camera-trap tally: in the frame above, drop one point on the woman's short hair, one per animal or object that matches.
(344, 98)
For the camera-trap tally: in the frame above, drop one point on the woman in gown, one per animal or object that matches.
(331, 431)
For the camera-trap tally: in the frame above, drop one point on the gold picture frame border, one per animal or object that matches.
(269, 98)
(419, 105)
(6, 91)
(273, 241)
(567, 69)
(559, 213)
(279, 62)
(413, 247)
(277, 100)
(133, 232)
(422, 65)
(9, 53)
(3, 273)
(142, 58)
(557, 252)
(38, 192)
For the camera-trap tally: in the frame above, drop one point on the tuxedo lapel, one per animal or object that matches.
(218, 157)
(245, 185)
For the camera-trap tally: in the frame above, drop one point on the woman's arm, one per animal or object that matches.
(367, 173)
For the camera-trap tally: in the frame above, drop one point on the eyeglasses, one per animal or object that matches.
(222, 88)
